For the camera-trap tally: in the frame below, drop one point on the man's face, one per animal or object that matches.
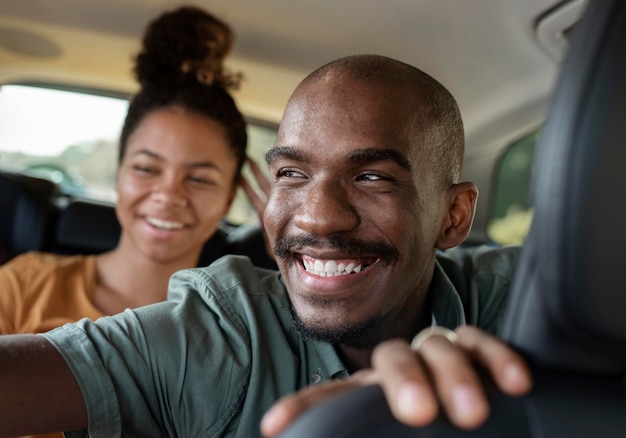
(353, 221)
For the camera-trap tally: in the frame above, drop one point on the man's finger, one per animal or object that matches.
(290, 407)
(456, 382)
(405, 382)
(507, 368)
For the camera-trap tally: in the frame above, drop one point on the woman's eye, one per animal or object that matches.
(201, 180)
(143, 169)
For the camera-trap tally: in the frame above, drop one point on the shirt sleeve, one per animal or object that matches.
(139, 370)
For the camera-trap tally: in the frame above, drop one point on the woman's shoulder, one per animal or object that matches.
(48, 258)
(39, 291)
(44, 263)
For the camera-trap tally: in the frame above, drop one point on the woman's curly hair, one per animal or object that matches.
(181, 63)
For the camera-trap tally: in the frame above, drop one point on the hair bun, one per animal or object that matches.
(186, 44)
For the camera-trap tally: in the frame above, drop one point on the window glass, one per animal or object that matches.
(72, 138)
(512, 212)
(68, 137)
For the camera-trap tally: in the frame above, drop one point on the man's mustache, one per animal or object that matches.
(355, 248)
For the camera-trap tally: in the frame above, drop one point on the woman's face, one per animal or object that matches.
(174, 184)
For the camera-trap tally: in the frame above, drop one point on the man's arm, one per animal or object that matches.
(416, 382)
(38, 392)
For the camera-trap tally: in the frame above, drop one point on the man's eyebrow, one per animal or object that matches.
(287, 152)
(360, 156)
(368, 155)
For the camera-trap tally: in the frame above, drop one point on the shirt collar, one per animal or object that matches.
(445, 303)
(446, 310)
(330, 360)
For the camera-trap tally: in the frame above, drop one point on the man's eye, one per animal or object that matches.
(371, 177)
(288, 173)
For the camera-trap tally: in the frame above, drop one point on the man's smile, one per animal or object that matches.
(334, 255)
(331, 268)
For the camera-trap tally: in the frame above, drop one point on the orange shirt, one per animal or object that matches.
(41, 291)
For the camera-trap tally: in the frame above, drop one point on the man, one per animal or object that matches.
(365, 190)
(366, 168)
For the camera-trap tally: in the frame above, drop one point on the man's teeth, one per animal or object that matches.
(330, 268)
(165, 225)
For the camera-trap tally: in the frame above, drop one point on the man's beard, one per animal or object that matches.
(362, 336)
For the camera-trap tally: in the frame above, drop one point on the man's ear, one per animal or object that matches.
(459, 216)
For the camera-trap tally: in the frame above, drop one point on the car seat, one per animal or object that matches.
(27, 214)
(86, 227)
(567, 310)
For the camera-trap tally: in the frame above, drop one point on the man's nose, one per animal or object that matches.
(326, 209)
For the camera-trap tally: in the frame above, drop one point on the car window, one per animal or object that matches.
(71, 138)
(511, 210)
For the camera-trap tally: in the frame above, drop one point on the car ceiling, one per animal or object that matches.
(487, 52)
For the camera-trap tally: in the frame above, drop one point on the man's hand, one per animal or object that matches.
(416, 383)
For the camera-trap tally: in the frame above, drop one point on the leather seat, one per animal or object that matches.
(27, 214)
(86, 227)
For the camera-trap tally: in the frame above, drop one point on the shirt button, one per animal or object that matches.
(316, 378)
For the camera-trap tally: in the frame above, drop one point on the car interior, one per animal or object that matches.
(499, 59)
(566, 306)
(541, 91)
(39, 217)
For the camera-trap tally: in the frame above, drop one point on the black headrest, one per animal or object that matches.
(26, 213)
(568, 308)
(86, 227)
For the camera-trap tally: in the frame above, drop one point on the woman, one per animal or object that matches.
(181, 151)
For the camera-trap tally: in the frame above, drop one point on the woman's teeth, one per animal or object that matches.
(164, 225)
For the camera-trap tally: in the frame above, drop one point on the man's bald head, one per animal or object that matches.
(433, 120)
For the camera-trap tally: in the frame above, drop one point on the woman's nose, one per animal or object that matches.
(171, 193)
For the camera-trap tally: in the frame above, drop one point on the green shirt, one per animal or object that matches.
(214, 357)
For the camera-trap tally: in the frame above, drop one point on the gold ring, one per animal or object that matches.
(429, 332)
